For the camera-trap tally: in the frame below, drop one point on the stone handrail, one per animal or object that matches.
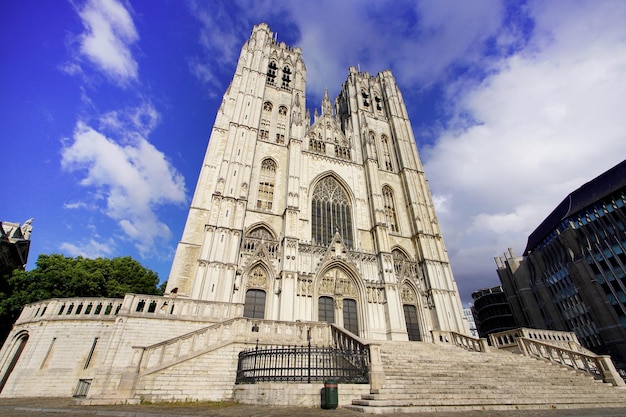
(141, 305)
(507, 339)
(599, 366)
(460, 340)
(148, 359)
(343, 339)
(132, 305)
(84, 308)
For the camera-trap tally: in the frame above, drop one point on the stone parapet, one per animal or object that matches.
(84, 308)
(132, 305)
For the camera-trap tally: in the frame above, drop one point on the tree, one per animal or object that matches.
(57, 276)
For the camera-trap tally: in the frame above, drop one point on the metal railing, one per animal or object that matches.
(348, 361)
(304, 364)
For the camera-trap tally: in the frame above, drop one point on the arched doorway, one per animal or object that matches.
(18, 347)
(409, 306)
(257, 284)
(337, 301)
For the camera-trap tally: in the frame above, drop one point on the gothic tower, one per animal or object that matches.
(326, 218)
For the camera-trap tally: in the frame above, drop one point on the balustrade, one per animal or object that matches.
(140, 305)
(599, 366)
(71, 309)
(461, 340)
(507, 339)
(239, 330)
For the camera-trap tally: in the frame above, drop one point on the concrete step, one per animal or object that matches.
(487, 400)
(423, 377)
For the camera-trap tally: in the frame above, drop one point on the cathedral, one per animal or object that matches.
(300, 222)
(323, 217)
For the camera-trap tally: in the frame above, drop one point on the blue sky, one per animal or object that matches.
(106, 107)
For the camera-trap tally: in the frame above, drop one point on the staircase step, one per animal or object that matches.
(422, 377)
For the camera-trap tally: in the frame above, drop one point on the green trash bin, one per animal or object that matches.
(330, 395)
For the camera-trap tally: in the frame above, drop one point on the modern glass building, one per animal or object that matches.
(491, 311)
(573, 273)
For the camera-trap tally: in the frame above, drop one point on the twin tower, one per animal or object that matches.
(316, 218)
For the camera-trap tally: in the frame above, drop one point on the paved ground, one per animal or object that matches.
(59, 407)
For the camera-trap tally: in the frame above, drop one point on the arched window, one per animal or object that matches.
(317, 145)
(399, 258)
(390, 209)
(257, 235)
(254, 307)
(266, 119)
(260, 232)
(366, 97)
(271, 73)
(265, 196)
(331, 211)
(286, 78)
(281, 124)
(387, 165)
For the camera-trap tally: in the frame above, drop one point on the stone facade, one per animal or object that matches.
(293, 209)
(297, 221)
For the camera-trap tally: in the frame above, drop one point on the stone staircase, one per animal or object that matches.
(425, 377)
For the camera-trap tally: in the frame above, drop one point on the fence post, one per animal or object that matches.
(308, 338)
(609, 373)
(483, 344)
(377, 373)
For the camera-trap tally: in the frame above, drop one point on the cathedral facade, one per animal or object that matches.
(318, 218)
(301, 227)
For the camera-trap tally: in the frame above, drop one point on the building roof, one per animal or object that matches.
(588, 194)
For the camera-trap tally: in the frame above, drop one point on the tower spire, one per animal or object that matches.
(326, 109)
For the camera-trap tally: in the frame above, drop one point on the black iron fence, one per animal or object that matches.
(303, 364)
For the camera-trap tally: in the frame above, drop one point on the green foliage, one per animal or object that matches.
(57, 276)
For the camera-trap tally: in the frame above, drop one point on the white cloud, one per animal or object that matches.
(110, 32)
(134, 177)
(548, 120)
(89, 249)
(419, 41)
(535, 98)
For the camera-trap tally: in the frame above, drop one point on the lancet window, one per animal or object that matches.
(331, 212)
(390, 209)
(271, 73)
(343, 152)
(286, 78)
(281, 124)
(266, 116)
(387, 165)
(378, 101)
(317, 145)
(267, 177)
